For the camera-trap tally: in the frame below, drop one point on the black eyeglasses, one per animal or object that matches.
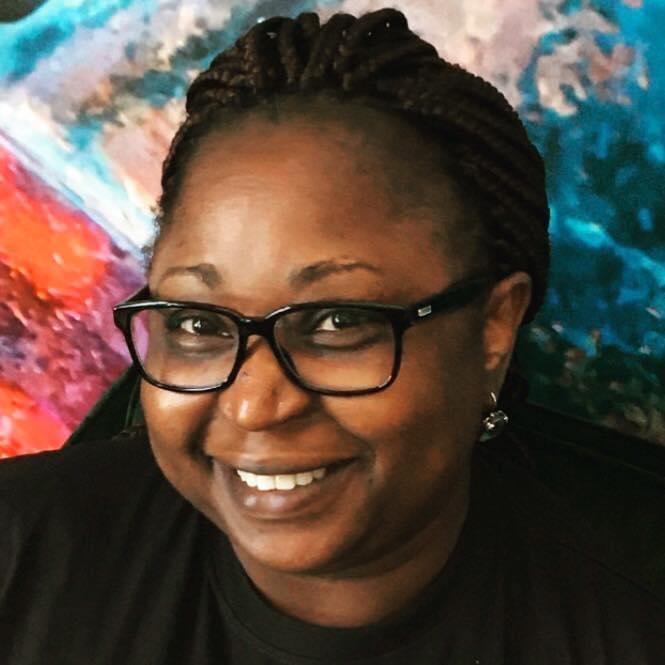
(329, 347)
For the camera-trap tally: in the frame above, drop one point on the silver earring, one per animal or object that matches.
(494, 422)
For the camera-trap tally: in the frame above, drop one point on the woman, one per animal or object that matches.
(351, 232)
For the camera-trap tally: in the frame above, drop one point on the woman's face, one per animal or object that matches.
(274, 214)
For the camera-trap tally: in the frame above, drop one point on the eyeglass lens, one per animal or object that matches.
(341, 349)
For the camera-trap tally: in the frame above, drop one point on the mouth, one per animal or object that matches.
(301, 491)
(288, 481)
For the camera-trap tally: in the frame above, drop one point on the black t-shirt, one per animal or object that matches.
(102, 562)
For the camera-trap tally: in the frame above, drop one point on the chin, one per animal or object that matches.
(298, 553)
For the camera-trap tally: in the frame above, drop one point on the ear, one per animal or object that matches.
(504, 310)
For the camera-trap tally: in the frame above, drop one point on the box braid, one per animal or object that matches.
(377, 57)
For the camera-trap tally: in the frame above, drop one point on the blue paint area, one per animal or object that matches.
(32, 46)
(25, 43)
(198, 51)
(606, 169)
(159, 87)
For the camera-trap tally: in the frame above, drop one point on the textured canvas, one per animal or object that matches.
(91, 92)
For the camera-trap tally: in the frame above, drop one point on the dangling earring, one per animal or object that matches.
(494, 421)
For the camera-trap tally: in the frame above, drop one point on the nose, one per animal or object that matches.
(262, 395)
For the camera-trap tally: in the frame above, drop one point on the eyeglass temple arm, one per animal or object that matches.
(453, 297)
(142, 294)
(120, 310)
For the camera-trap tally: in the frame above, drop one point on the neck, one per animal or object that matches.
(368, 593)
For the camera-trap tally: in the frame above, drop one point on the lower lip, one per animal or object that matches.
(303, 501)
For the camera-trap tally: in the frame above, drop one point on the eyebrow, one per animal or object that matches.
(298, 278)
(205, 272)
(304, 276)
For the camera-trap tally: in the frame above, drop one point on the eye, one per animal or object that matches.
(333, 330)
(197, 326)
(342, 319)
(200, 324)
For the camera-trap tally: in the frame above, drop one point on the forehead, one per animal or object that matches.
(270, 196)
(360, 147)
(303, 159)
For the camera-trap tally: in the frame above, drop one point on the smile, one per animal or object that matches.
(281, 490)
(282, 481)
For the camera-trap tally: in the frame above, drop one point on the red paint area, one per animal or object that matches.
(60, 275)
(52, 245)
(26, 427)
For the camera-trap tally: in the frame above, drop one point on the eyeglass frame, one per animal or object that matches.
(402, 317)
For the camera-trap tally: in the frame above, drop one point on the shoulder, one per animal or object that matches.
(84, 498)
(89, 469)
(549, 522)
(567, 576)
(90, 533)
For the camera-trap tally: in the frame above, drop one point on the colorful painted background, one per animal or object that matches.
(92, 90)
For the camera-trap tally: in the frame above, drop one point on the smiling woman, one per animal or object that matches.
(351, 232)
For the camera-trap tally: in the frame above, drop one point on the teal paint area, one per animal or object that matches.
(604, 319)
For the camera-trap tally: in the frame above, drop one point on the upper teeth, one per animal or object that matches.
(286, 481)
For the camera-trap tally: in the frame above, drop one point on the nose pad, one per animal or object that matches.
(262, 395)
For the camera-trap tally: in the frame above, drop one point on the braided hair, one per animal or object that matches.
(377, 60)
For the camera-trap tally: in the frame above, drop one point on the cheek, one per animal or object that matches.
(419, 433)
(172, 418)
(435, 404)
(174, 423)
